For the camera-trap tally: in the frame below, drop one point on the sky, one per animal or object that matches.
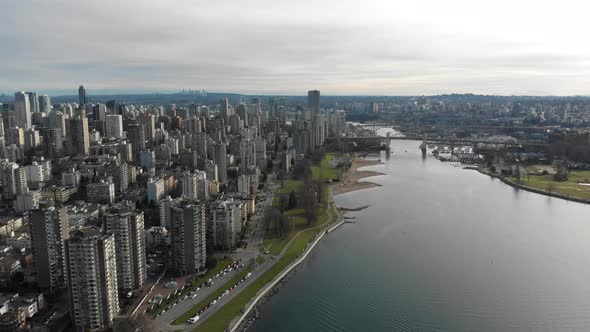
(341, 47)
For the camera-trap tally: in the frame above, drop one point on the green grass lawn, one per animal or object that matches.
(221, 319)
(260, 259)
(275, 245)
(571, 187)
(326, 171)
(290, 185)
(194, 310)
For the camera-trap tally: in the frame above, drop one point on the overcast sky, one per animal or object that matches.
(340, 47)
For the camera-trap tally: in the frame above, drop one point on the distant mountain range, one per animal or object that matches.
(183, 98)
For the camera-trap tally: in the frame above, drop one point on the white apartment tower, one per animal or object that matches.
(91, 270)
(127, 224)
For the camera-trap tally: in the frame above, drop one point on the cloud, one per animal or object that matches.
(288, 47)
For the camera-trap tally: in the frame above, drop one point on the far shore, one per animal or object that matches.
(351, 179)
(531, 189)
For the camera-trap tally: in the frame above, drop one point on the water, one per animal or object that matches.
(443, 249)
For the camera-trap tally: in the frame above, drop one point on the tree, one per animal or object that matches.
(308, 201)
(292, 200)
(211, 262)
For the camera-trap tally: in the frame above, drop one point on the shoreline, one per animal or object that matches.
(350, 182)
(531, 189)
(252, 313)
(351, 179)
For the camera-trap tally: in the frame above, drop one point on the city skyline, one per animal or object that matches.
(381, 48)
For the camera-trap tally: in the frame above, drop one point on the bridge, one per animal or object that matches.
(450, 141)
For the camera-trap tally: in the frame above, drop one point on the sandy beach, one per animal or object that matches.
(351, 179)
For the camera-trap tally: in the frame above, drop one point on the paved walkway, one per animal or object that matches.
(235, 324)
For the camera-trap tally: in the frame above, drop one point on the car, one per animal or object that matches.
(193, 320)
(214, 301)
(193, 296)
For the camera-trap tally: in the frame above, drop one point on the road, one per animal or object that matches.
(254, 242)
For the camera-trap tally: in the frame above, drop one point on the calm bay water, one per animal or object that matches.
(442, 249)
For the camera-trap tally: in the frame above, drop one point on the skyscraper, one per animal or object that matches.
(44, 104)
(22, 110)
(33, 101)
(188, 237)
(221, 161)
(13, 179)
(82, 95)
(127, 224)
(190, 183)
(226, 109)
(49, 229)
(136, 136)
(313, 103)
(114, 126)
(91, 271)
(78, 136)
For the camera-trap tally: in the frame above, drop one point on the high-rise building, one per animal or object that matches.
(337, 123)
(22, 110)
(78, 142)
(127, 224)
(221, 161)
(313, 104)
(33, 101)
(44, 104)
(101, 192)
(226, 109)
(57, 120)
(136, 136)
(150, 125)
(247, 154)
(156, 190)
(83, 100)
(53, 141)
(165, 205)
(202, 187)
(48, 227)
(260, 152)
(13, 179)
(225, 225)
(190, 182)
(313, 101)
(114, 126)
(100, 112)
(91, 271)
(188, 237)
